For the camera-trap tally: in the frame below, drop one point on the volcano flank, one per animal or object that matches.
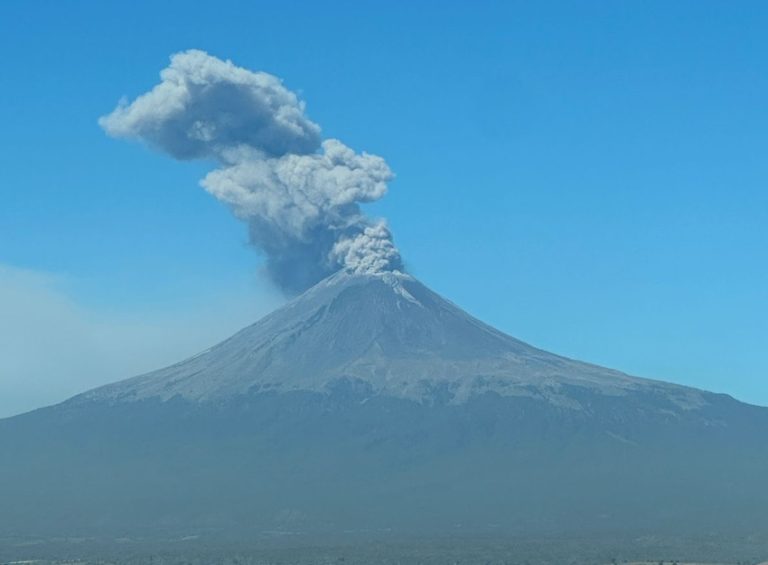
(371, 404)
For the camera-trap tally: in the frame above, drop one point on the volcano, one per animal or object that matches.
(371, 404)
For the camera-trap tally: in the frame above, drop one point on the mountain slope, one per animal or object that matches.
(370, 404)
(390, 332)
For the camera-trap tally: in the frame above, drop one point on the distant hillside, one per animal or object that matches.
(370, 406)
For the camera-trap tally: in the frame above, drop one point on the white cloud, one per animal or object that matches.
(52, 347)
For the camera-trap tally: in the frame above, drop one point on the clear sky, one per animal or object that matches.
(590, 177)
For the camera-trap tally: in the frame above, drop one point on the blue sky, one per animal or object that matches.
(587, 176)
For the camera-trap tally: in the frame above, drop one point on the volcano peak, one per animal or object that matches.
(388, 333)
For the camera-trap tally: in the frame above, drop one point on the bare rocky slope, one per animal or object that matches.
(370, 405)
(390, 333)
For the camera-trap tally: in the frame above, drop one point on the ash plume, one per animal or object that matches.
(300, 195)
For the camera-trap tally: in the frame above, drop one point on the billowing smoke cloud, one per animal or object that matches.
(299, 195)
